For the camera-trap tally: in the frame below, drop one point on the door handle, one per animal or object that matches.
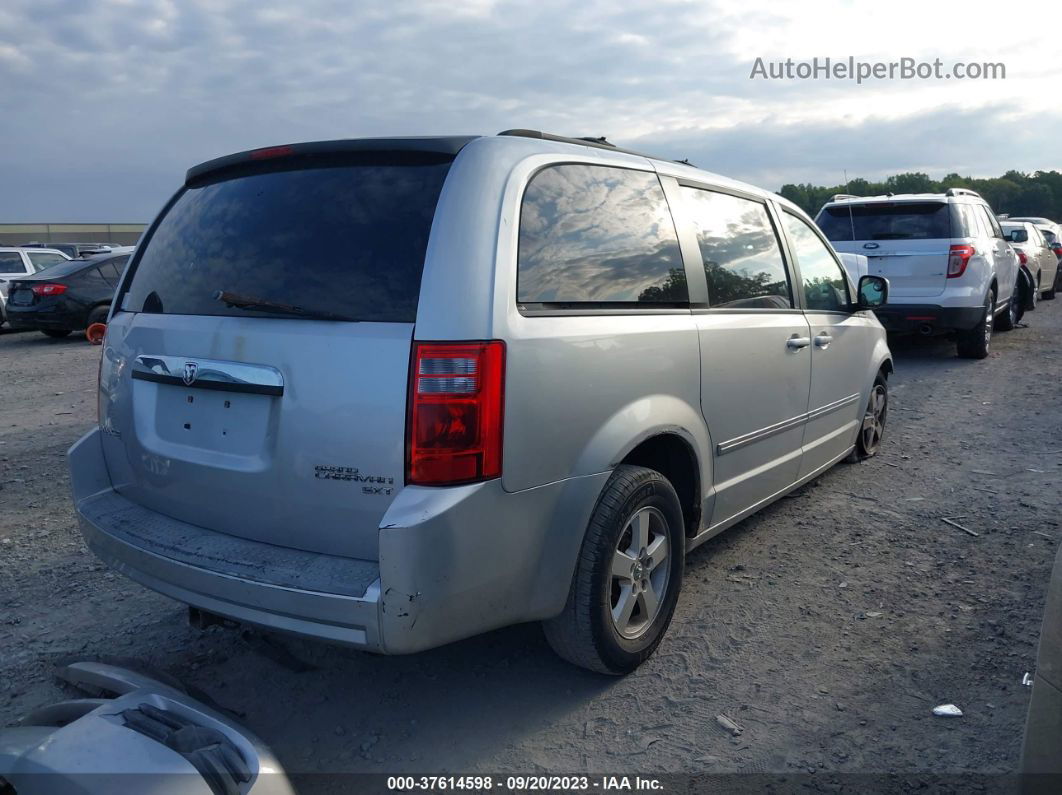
(823, 340)
(795, 343)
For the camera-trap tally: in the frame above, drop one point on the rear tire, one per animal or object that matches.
(1049, 295)
(616, 614)
(98, 315)
(976, 343)
(1009, 320)
(56, 333)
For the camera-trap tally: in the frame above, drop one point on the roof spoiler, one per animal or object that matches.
(961, 192)
(442, 145)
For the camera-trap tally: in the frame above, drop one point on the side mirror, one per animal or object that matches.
(873, 292)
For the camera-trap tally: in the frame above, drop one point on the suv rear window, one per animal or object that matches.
(882, 221)
(345, 236)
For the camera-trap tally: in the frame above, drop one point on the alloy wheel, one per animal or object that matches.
(874, 420)
(641, 571)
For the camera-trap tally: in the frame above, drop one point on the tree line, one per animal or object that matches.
(1015, 193)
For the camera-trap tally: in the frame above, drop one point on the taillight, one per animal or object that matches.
(456, 394)
(958, 259)
(1022, 258)
(48, 289)
(1057, 248)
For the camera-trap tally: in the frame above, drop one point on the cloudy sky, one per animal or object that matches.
(107, 102)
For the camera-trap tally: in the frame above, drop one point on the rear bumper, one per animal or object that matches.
(453, 562)
(911, 318)
(49, 317)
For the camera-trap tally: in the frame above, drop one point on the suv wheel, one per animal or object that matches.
(1009, 320)
(627, 578)
(974, 344)
(868, 442)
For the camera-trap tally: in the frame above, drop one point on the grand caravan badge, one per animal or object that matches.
(372, 484)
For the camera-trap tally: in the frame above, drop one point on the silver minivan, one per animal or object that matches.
(396, 392)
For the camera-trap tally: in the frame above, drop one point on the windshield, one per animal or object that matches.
(885, 221)
(347, 239)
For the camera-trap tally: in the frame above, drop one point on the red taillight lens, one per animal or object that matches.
(49, 289)
(270, 152)
(456, 394)
(958, 259)
(1022, 258)
(1057, 248)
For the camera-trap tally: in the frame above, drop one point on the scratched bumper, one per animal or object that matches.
(454, 562)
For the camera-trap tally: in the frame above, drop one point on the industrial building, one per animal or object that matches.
(45, 234)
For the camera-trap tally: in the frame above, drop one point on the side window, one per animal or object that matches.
(824, 283)
(968, 221)
(112, 269)
(740, 251)
(594, 234)
(43, 259)
(11, 262)
(994, 229)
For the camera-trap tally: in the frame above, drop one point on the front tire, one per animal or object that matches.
(627, 578)
(975, 343)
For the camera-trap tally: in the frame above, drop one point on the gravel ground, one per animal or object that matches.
(828, 626)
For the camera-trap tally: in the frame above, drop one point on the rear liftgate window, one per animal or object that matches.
(338, 235)
(594, 236)
(881, 221)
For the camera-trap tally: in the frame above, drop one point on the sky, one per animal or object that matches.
(105, 103)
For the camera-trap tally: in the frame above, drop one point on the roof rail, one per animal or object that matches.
(961, 192)
(596, 143)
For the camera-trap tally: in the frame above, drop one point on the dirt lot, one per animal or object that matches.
(828, 626)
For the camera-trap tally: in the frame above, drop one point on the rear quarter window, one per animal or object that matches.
(345, 236)
(886, 221)
(11, 262)
(598, 235)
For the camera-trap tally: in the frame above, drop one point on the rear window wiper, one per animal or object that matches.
(264, 304)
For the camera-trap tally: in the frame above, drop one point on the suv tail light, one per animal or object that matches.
(49, 289)
(958, 259)
(456, 395)
(1022, 258)
(1057, 248)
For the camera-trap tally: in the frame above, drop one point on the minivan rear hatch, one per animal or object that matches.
(905, 241)
(254, 380)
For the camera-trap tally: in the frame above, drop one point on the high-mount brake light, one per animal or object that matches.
(454, 427)
(958, 259)
(271, 152)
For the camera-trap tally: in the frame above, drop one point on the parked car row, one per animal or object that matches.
(16, 263)
(953, 267)
(69, 295)
(543, 370)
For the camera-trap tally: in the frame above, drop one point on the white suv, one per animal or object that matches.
(949, 267)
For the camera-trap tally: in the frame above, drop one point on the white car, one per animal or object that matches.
(18, 262)
(1037, 256)
(950, 270)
